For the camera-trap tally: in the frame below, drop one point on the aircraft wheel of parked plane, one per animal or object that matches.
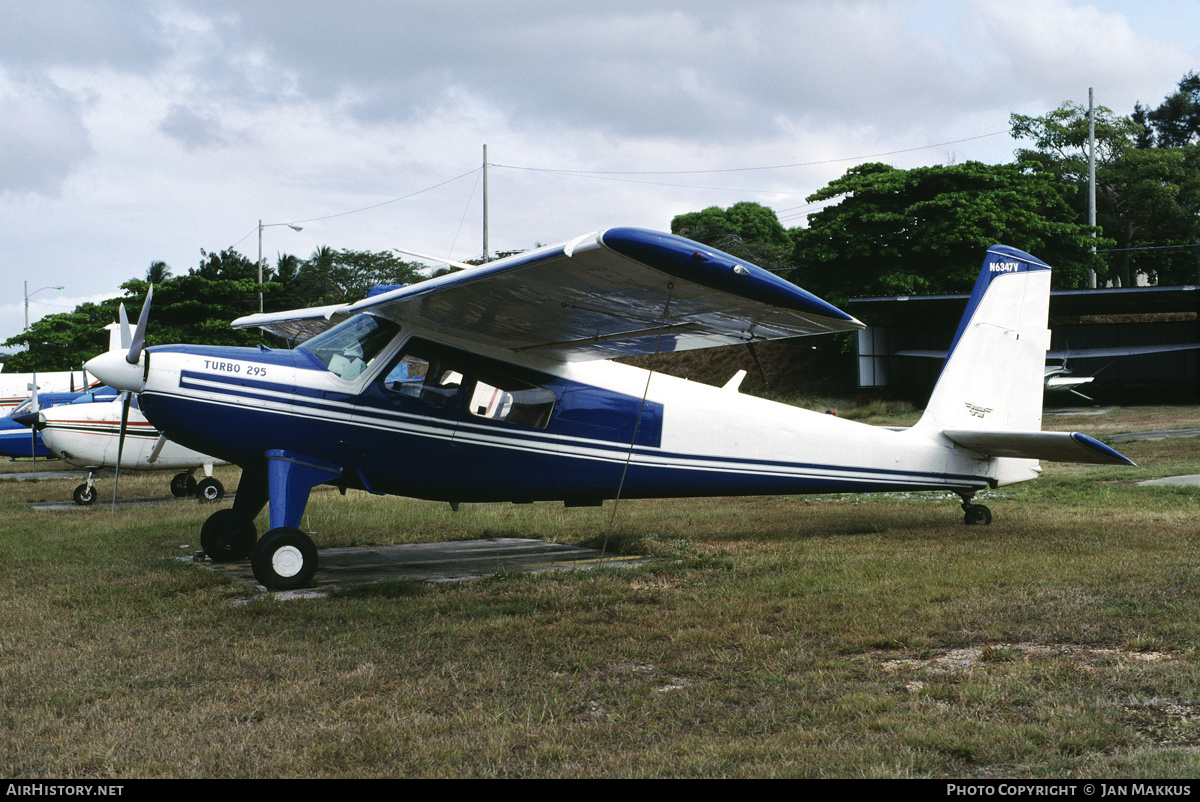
(210, 490)
(183, 485)
(85, 494)
(285, 559)
(222, 549)
(976, 514)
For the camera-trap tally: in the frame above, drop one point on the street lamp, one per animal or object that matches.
(260, 228)
(35, 292)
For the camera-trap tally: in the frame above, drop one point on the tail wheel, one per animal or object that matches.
(284, 559)
(977, 515)
(221, 548)
(210, 490)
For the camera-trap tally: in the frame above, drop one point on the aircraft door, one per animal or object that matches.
(405, 422)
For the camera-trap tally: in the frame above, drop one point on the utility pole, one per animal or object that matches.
(1092, 179)
(486, 254)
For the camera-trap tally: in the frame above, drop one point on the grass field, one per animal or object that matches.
(831, 636)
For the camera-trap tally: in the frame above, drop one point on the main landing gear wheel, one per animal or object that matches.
(285, 559)
(85, 495)
(210, 490)
(221, 549)
(976, 514)
(182, 485)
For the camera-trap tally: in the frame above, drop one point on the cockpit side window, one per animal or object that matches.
(349, 347)
(427, 374)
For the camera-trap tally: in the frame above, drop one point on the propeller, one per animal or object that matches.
(134, 343)
(33, 410)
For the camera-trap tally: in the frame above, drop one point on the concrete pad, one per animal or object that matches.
(106, 502)
(40, 476)
(1158, 434)
(1191, 480)
(441, 562)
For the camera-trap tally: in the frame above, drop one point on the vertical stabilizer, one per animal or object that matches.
(993, 376)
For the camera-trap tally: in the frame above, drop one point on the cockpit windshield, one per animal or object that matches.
(349, 347)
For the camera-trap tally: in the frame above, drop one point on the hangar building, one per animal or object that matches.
(1079, 320)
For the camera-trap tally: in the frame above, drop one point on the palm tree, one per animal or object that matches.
(158, 272)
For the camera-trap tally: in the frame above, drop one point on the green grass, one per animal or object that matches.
(829, 636)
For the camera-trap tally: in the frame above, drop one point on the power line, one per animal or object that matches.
(746, 169)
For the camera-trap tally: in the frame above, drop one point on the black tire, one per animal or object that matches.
(285, 559)
(208, 490)
(977, 515)
(221, 550)
(179, 485)
(85, 495)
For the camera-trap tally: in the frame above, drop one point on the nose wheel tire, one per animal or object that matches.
(222, 549)
(85, 495)
(284, 559)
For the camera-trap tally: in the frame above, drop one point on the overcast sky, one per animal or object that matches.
(140, 131)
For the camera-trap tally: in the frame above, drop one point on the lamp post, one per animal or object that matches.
(35, 292)
(260, 263)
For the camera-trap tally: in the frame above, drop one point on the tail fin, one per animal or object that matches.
(993, 376)
(989, 396)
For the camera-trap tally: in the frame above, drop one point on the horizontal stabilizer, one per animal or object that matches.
(1049, 446)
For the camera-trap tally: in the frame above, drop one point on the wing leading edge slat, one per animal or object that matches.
(620, 293)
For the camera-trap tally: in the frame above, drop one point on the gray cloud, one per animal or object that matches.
(42, 137)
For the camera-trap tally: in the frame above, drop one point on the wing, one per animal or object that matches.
(621, 292)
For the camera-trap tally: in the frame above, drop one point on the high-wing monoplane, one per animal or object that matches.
(102, 430)
(88, 434)
(496, 384)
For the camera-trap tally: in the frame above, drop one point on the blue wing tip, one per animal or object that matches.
(1093, 444)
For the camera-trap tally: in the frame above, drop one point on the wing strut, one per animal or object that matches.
(637, 424)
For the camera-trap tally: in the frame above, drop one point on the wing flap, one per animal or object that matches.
(619, 293)
(1048, 446)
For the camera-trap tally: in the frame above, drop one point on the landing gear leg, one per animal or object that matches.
(285, 558)
(86, 493)
(975, 514)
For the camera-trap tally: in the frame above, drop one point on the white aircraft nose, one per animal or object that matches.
(112, 369)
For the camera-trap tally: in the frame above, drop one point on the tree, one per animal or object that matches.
(1176, 122)
(331, 277)
(747, 230)
(925, 230)
(1146, 197)
(158, 272)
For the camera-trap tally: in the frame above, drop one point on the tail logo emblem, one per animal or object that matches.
(978, 412)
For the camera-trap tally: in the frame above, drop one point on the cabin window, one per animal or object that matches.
(500, 397)
(426, 374)
(349, 347)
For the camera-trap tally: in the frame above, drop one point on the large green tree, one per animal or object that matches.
(925, 231)
(748, 230)
(1147, 198)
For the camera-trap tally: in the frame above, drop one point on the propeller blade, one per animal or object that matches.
(123, 319)
(33, 409)
(139, 334)
(121, 446)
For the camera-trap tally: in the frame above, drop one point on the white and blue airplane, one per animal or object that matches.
(496, 384)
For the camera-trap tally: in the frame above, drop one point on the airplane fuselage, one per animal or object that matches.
(586, 433)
